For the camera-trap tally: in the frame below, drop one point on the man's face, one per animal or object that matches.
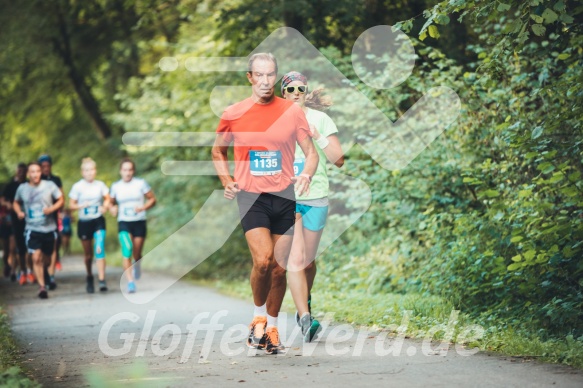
(34, 173)
(262, 79)
(21, 173)
(46, 168)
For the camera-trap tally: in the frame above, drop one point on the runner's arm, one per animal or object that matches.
(106, 203)
(312, 158)
(74, 205)
(333, 150)
(18, 209)
(151, 201)
(221, 162)
(113, 207)
(56, 206)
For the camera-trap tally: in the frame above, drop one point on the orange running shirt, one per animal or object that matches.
(265, 139)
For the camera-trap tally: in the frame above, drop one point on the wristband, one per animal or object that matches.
(322, 142)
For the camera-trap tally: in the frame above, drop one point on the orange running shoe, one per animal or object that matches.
(256, 337)
(58, 266)
(22, 279)
(30, 278)
(272, 343)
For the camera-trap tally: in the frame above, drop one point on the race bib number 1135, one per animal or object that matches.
(265, 162)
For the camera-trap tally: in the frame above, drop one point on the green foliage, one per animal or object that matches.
(13, 378)
(489, 215)
(324, 23)
(423, 314)
(10, 374)
(488, 218)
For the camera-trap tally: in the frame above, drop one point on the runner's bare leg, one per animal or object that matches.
(282, 245)
(261, 248)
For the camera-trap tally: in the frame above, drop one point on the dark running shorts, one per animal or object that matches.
(43, 241)
(86, 229)
(135, 228)
(274, 211)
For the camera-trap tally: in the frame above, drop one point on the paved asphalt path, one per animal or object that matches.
(74, 339)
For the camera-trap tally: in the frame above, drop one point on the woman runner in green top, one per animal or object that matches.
(311, 209)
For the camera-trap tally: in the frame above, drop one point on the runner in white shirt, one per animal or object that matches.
(133, 197)
(91, 198)
(40, 200)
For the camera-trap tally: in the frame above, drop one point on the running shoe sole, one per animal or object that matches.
(254, 342)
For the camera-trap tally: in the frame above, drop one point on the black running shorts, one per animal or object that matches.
(86, 228)
(274, 211)
(135, 228)
(43, 241)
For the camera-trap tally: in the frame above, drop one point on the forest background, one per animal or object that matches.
(487, 220)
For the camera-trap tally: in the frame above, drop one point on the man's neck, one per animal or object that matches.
(263, 101)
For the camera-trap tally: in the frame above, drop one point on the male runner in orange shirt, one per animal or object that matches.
(265, 130)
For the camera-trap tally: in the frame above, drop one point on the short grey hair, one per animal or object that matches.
(264, 56)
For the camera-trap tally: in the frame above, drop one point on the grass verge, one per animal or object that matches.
(417, 316)
(10, 373)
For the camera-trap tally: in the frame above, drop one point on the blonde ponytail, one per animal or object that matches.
(316, 100)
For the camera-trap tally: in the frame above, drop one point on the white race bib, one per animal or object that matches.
(265, 162)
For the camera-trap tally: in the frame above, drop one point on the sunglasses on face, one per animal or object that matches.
(291, 89)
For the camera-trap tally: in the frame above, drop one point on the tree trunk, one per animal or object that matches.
(63, 48)
(291, 18)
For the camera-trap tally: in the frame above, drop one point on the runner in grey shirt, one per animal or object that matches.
(36, 201)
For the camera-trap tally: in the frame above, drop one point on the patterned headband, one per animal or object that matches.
(291, 77)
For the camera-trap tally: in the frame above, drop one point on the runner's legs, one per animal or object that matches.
(12, 254)
(282, 245)
(302, 264)
(311, 243)
(53, 258)
(261, 247)
(88, 254)
(66, 244)
(98, 233)
(138, 246)
(38, 262)
(296, 276)
(6, 254)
